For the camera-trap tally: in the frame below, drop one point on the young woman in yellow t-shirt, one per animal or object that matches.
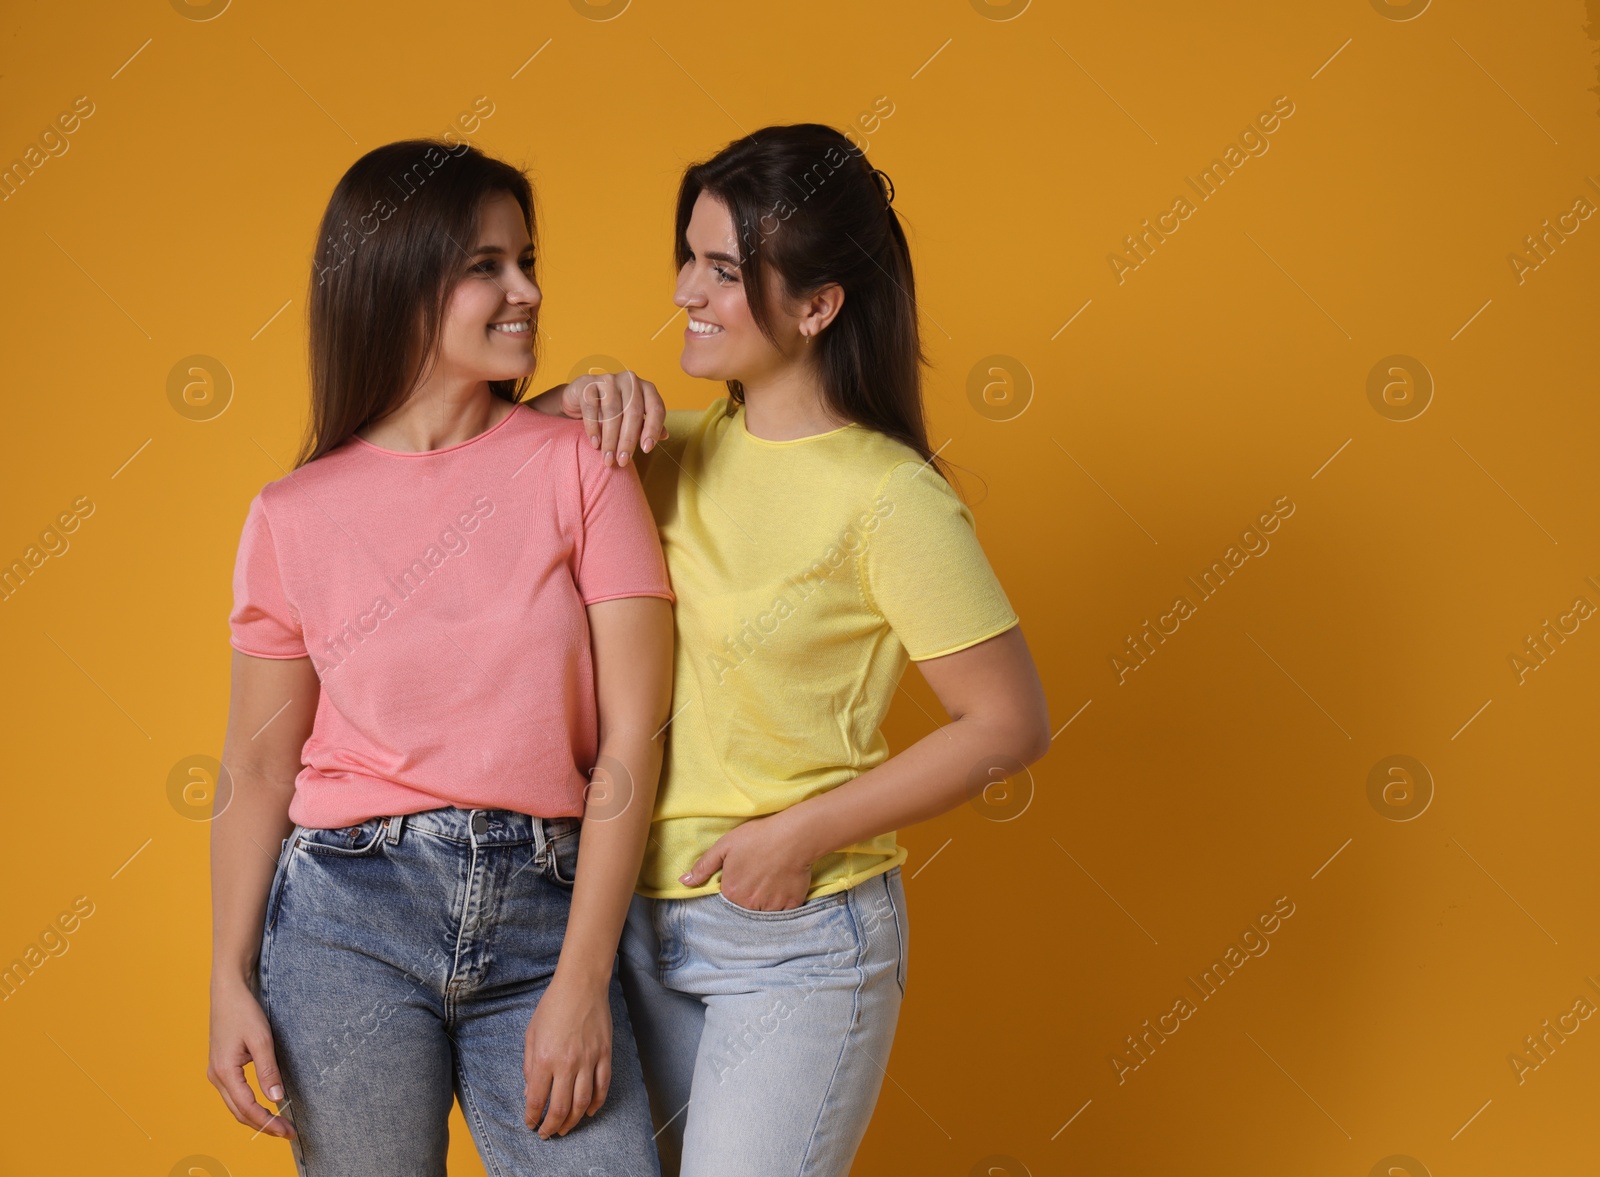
(814, 547)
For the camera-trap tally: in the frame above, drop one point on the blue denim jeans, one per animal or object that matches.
(401, 960)
(764, 1034)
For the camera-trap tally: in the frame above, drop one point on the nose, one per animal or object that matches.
(522, 291)
(687, 293)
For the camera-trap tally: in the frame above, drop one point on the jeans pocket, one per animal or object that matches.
(897, 903)
(810, 907)
(285, 852)
(355, 841)
(280, 876)
(561, 849)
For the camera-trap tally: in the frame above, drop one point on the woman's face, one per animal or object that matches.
(721, 340)
(493, 311)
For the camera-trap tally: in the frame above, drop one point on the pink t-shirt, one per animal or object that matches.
(441, 598)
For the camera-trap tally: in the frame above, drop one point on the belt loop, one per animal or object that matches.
(540, 841)
(396, 826)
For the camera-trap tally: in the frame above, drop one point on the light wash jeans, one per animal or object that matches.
(764, 1034)
(400, 963)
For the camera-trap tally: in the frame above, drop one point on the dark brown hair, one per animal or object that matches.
(398, 227)
(805, 201)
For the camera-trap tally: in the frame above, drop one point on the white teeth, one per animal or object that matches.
(700, 328)
(521, 327)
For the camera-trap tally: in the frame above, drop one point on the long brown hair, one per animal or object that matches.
(398, 227)
(805, 201)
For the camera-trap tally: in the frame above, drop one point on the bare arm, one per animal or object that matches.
(270, 712)
(997, 711)
(632, 642)
(568, 1055)
(996, 705)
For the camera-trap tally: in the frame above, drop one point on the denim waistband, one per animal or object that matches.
(499, 827)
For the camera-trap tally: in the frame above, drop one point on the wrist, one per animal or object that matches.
(548, 401)
(226, 978)
(593, 975)
(583, 979)
(803, 831)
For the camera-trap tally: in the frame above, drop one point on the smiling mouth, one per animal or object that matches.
(699, 328)
(514, 327)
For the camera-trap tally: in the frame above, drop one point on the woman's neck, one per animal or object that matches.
(788, 404)
(437, 415)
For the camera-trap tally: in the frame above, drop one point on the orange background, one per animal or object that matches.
(1161, 414)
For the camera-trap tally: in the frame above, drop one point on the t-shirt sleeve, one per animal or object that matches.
(924, 570)
(263, 623)
(619, 554)
(680, 423)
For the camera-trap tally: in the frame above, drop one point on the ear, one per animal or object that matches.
(817, 311)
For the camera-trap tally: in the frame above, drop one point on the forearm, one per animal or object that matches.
(942, 770)
(548, 401)
(245, 840)
(615, 826)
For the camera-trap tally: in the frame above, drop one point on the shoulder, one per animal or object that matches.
(299, 489)
(916, 495)
(558, 445)
(684, 421)
(890, 467)
(276, 499)
(565, 434)
(697, 429)
(569, 465)
(704, 424)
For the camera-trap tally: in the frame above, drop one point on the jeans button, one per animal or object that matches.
(480, 823)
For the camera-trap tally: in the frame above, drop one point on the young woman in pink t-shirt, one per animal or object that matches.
(452, 644)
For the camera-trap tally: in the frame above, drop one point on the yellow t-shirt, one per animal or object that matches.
(807, 572)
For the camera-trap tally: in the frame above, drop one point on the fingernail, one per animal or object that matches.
(622, 458)
(594, 443)
(275, 1094)
(610, 457)
(646, 444)
(684, 878)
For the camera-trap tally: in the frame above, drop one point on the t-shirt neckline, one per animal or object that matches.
(745, 429)
(442, 449)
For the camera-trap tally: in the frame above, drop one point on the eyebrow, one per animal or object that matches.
(482, 249)
(721, 257)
